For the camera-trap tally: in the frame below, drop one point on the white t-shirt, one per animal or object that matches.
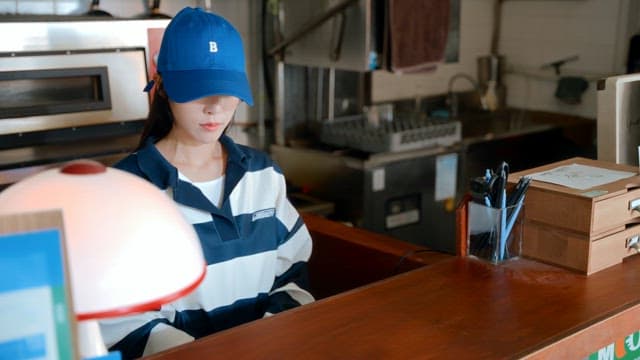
(212, 189)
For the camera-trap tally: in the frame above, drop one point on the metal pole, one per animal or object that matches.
(320, 94)
(279, 103)
(331, 97)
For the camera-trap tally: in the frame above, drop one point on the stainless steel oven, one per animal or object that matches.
(65, 89)
(72, 88)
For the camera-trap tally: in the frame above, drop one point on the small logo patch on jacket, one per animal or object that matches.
(264, 213)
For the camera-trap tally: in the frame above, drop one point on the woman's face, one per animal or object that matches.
(202, 120)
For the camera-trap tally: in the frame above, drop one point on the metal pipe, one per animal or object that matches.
(452, 97)
(331, 97)
(279, 103)
(320, 94)
(497, 22)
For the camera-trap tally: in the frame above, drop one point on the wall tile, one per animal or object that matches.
(534, 32)
(35, 7)
(596, 9)
(518, 91)
(476, 12)
(8, 6)
(598, 58)
(68, 7)
(130, 9)
(522, 52)
(581, 31)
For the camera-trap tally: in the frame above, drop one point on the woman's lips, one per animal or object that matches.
(210, 126)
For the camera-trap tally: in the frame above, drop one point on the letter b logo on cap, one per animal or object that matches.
(213, 46)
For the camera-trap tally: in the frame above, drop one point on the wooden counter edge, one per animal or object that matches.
(595, 336)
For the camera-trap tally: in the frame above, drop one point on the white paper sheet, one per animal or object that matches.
(446, 175)
(580, 177)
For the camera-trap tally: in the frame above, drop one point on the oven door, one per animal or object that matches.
(67, 89)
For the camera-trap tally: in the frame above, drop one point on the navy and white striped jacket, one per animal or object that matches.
(256, 247)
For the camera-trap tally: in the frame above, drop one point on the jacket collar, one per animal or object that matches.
(164, 175)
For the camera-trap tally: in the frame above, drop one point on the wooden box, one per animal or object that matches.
(584, 230)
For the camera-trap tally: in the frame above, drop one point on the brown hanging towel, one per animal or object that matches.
(418, 32)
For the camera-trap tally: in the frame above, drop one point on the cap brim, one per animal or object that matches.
(189, 85)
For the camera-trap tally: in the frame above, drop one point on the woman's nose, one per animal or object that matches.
(213, 108)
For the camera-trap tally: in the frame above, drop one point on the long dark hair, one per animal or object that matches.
(160, 119)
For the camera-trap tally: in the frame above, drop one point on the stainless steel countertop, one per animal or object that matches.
(477, 127)
(487, 126)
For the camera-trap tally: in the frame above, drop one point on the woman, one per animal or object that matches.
(254, 241)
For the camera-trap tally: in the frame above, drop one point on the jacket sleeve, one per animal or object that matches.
(142, 334)
(291, 284)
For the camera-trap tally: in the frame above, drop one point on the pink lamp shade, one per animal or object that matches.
(128, 247)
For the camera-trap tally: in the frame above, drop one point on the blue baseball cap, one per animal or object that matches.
(202, 55)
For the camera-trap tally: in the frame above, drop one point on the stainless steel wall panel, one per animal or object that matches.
(315, 47)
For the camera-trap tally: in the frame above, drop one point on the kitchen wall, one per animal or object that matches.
(533, 33)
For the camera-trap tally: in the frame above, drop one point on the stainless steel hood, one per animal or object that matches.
(348, 40)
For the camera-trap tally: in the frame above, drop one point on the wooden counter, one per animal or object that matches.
(454, 308)
(346, 257)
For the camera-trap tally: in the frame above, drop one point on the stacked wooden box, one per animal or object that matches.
(584, 230)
